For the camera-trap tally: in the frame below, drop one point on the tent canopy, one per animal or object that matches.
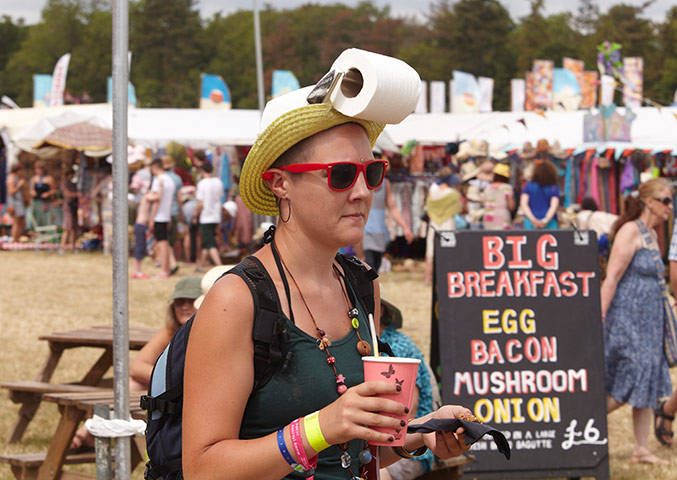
(653, 128)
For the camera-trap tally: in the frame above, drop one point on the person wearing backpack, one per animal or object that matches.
(314, 168)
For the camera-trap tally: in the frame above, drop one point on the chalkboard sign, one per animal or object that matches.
(520, 343)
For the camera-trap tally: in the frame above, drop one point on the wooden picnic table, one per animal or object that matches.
(74, 408)
(29, 394)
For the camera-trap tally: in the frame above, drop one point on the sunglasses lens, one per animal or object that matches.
(667, 201)
(375, 173)
(343, 175)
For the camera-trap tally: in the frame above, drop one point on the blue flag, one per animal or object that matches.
(131, 92)
(42, 87)
(284, 81)
(214, 92)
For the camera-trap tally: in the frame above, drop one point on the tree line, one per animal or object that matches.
(171, 45)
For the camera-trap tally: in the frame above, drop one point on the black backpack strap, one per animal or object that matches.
(269, 332)
(360, 278)
(155, 472)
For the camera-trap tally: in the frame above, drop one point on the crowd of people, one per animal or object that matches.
(182, 212)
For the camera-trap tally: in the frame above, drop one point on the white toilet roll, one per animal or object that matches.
(375, 87)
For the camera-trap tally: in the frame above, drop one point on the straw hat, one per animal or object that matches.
(208, 279)
(528, 151)
(557, 151)
(287, 120)
(542, 146)
(502, 169)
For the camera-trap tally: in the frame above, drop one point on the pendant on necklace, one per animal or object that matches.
(363, 348)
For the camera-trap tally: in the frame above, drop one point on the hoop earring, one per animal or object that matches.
(279, 206)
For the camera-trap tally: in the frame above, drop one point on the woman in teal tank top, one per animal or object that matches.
(314, 168)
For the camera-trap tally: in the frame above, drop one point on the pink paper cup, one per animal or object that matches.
(398, 370)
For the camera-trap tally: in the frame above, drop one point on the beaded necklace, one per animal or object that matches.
(323, 343)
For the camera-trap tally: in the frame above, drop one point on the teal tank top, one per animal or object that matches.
(308, 384)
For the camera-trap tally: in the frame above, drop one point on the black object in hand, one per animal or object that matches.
(473, 431)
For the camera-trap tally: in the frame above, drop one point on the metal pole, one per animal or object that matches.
(259, 60)
(120, 242)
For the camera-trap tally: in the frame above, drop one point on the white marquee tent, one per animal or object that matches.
(654, 129)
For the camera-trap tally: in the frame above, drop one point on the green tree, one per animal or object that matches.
(59, 31)
(666, 85)
(11, 36)
(166, 38)
(474, 36)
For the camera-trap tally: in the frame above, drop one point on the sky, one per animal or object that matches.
(29, 10)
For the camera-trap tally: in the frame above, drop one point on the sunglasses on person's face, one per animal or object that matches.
(343, 175)
(665, 201)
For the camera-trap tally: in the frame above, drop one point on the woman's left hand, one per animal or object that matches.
(447, 444)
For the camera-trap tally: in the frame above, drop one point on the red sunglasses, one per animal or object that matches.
(342, 175)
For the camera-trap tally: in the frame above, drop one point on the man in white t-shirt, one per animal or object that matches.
(162, 192)
(208, 213)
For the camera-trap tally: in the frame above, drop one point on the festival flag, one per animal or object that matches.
(486, 94)
(543, 72)
(5, 100)
(438, 100)
(422, 105)
(131, 92)
(529, 105)
(633, 67)
(42, 86)
(215, 93)
(284, 81)
(566, 92)
(576, 67)
(59, 81)
(518, 88)
(466, 95)
(589, 89)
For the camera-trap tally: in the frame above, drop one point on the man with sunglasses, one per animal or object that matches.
(313, 167)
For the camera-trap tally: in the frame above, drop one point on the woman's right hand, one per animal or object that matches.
(359, 408)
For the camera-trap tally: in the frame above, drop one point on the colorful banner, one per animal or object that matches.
(633, 67)
(215, 93)
(518, 92)
(42, 86)
(131, 92)
(438, 100)
(543, 71)
(467, 95)
(486, 94)
(529, 105)
(575, 66)
(608, 125)
(284, 81)
(566, 92)
(589, 89)
(59, 81)
(422, 105)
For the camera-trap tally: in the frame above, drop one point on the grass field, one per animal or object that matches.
(49, 292)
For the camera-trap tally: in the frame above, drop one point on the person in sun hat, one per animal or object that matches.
(498, 200)
(313, 167)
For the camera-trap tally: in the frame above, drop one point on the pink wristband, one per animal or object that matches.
(297, 443)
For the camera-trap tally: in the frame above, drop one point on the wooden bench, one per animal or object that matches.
(29, 394)
(25, 466)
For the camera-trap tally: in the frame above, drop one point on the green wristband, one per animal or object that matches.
(311, 424)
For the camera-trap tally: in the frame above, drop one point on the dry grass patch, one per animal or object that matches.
(47, 293)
